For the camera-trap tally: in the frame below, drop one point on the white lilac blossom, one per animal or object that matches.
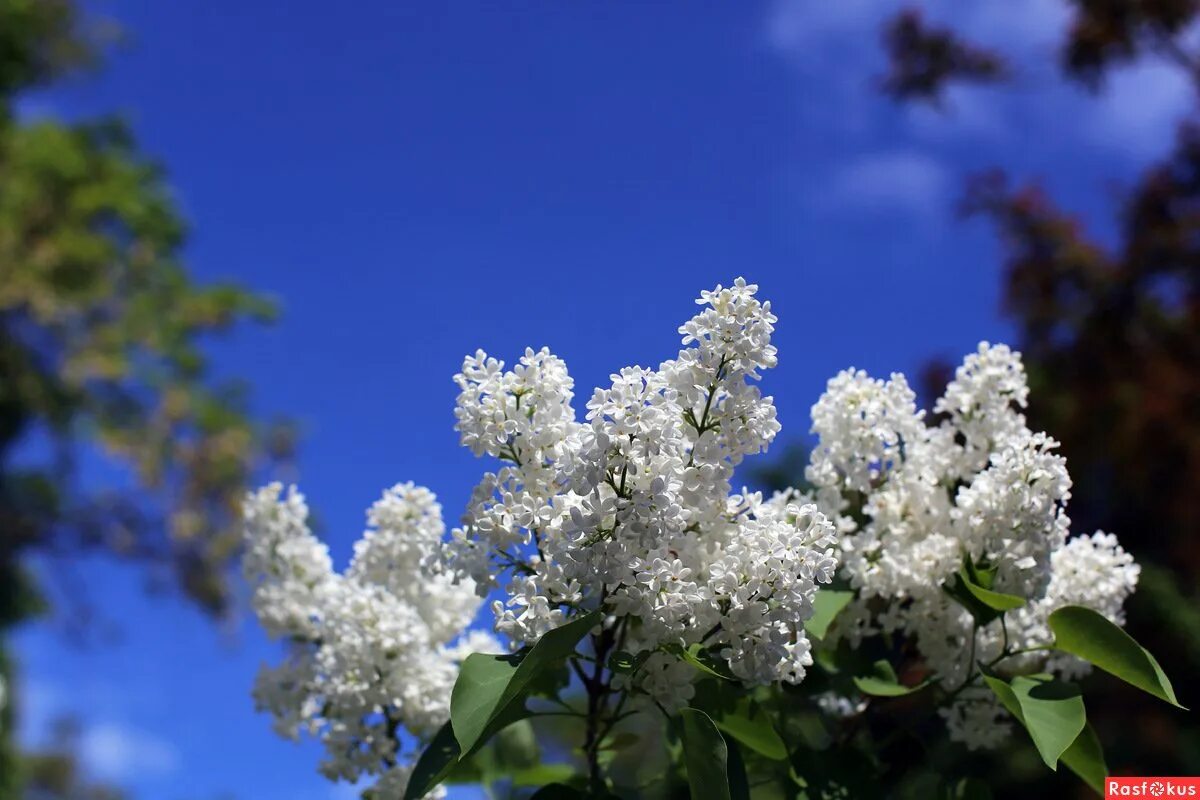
(372, 650)
(632, 510)
(912, 499)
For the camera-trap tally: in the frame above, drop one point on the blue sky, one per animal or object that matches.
(417, 180)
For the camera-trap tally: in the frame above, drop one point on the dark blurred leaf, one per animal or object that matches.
(705, 755)
(923, 59)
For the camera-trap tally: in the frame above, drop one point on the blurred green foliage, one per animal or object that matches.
(102, 334)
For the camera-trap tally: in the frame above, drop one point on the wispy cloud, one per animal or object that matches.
(116, 752)
(1140, 108)
(910, 182)
(836, 50)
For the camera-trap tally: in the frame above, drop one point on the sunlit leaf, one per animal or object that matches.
(827, 604)
(488, 684)
(1089, 635)
(751, 726)
(884, 683)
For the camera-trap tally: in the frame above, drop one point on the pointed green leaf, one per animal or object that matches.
(884, 683)
(1085, 757)
(1003, 692)
(542, 775)
(956, 587)
(750, 726)
(705, 756)
(699, 658)
(972, 587)
(487, 685)
(997, 601)
(827, 604)
(434, 764)
(1088, 634)
(983, 577)
(1053, 712)
(516, 747)
(443, 760)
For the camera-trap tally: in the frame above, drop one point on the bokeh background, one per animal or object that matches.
(393, 185)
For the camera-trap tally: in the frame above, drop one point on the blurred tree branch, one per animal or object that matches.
(103, 366)
(924, 59)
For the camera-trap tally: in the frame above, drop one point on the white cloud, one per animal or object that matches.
(1141, 106)
(115, 752)
(1033, 27)
(907, 181)
(796, 25)
(41, 703)
(836, 50)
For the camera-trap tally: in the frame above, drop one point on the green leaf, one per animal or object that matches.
(479, 694)
(516, 747)
(827, 604)
(443, 760)
(434, 765)
(972, 588)
(997, 601)
(1051, 710)
(750, 726)
(625, 662)
(1088, 634)
(739, 783)
(550, 681)
(487, 685)
(1085, 757)
(981, 576)
(705, 756)
(543, 775)
(699, 658)
(957, 589)
(884, 683)
(1003, 692)
(620, 740)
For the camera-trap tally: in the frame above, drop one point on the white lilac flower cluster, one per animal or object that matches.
(632, 510)
(912, 500)
(372, 650)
